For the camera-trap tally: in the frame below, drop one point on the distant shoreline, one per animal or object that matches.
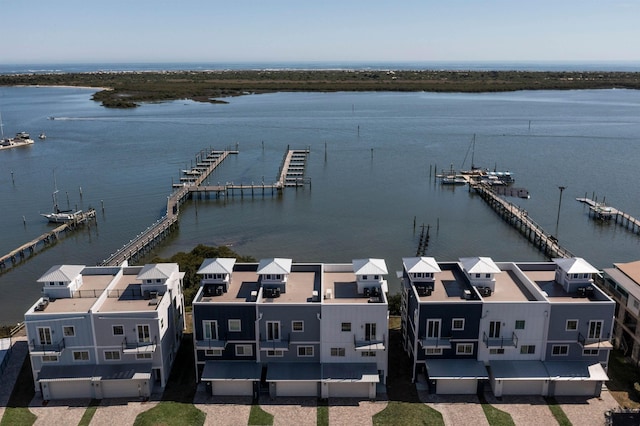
(128, 89)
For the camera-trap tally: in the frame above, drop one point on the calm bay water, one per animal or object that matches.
(371, 165)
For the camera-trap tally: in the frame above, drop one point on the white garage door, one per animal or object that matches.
(351, 390)
(232, 388)
(297, 388)
(575, 388)
(70, 389)
(122, 388)
(522, 387)
(460, 386)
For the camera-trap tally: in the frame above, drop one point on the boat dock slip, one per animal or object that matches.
(191, 182)
(519, 219)
(45, 240)
(293, 168)
(603, 212)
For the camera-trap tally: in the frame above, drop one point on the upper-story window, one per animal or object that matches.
(210, 330)
(144, 333)
(235, 325)
(487, 275)
(118, 330)
(365, 277)
(572, 325)
(457, 324)
(345, 326)
(519, 324)
(595, 329)
(297, 326)
(44, 335)
(68, 331)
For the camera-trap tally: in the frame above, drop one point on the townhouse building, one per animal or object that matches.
(291, 329)
(104, 332)
(538, 328)
(622, 283)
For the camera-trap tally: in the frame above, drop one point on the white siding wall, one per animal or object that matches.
(535, 315)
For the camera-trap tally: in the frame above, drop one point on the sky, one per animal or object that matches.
(81, 31)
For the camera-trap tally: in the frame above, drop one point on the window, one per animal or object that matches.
(636, 304)
(210, 330)
(528, 349)
(346, 326)
(213, 352)
(273, 330)
(118, 330)
(364, 277)
(244, 350)
(275, 353)
(44, 335)
(433, 351)
(494, 329)
(433, 328)
(111, 355)
(337, 352)
(304, 351)
(81, 355)
(595, 329)
(68, 331)
(368, 354)
(144, 355)
(591, 352)
(370, 331)
(496, 351)
(572, 325)
(457, 324)
(235, 325)
(519, 324)
(144, 335)
(560, 350)
(487, 275)
(464, 349)
(49, 358)
(297, 326)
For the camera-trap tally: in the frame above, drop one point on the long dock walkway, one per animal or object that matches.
(603, 212)
(291, 174)
(519, 219)
(20, 253)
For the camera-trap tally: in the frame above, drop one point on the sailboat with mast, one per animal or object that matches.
(21, 139)
(60, 216)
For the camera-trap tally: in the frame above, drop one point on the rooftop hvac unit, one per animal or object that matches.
(582, 292)
(367, 292)
(218, 291)
(467, 294)
(328, 294)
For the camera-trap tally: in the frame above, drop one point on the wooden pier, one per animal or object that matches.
(293, 168)
(601, 211)
(191, 183)
(29, 249)
(519, 219)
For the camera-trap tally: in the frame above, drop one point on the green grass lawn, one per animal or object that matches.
(494, 416)
(322, 413)
(171, 413)
(258, 416)
(408, 413)
(18, 416)
(557, 411)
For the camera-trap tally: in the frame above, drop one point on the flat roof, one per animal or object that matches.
(449, 285)
(84, 298)
(509, 288)
(299, 289)
(240, 287)
(126, 295)
(344, 288)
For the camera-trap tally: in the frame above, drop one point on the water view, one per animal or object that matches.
(372, 165)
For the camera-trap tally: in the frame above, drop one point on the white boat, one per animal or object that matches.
(21, 139)
(60, 216)
(453, 180)
(42, 136)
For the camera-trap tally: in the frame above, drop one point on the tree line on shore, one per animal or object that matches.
(129, 89)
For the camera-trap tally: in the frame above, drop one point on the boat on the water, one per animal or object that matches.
(42, 136)
(57, 215)
(21, 139)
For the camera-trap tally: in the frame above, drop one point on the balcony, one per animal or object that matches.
(500, 342)
(435, 342)
(211, 344)
(274, 344)
(593, 343)
(46, 348)
(137, 347)
(369, 345)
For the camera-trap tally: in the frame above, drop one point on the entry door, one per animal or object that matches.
(273, 330)
(433, 329)
(370, 331)
(44, 335)
(494, 329)
(595, 329)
